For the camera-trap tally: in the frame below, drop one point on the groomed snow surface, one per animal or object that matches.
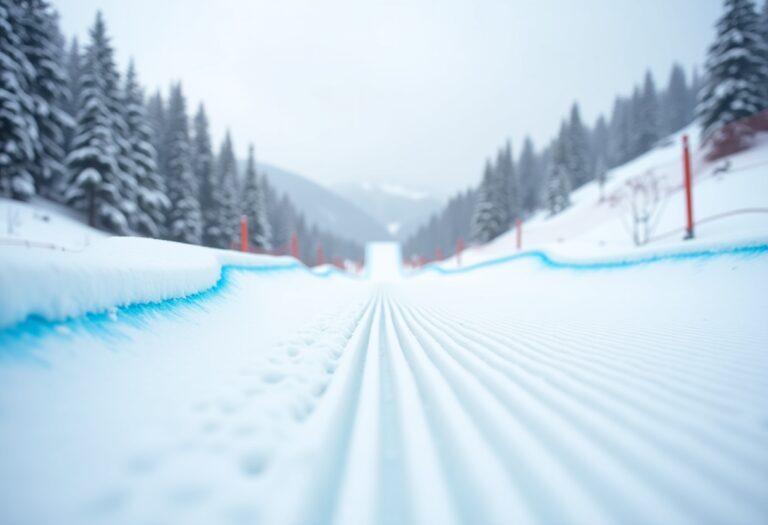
(144, 382)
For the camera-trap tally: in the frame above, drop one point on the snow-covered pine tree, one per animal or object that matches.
(764, 21)
(18, 127)
(96, 183)
(281, 215)
(506, 168)
(74, 72)
(151, 199)
(203, 166)
(156, 117)
(530, 179)
(694, 93)
(184, 218)
(677, 111)
(634, 111)
(227, 194)
(601, 176)
(736, 84)
(620, 126)
(558, 176)
(43, 45)
(648, 129)
(254, 205)
(600, 139)
(577, 149)
(487, 220)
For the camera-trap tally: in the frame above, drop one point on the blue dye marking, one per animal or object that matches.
(22, 341)
(548, 262)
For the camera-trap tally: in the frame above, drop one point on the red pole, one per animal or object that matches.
(459, 249)
(519, 233)
(244, 234)
(688, 192)
(320, 256)
(295, 245)
(439, 254)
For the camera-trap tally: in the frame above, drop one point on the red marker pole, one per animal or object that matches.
(439, 254)
(320, 259)
(244, 234)
(295, 245)
(688, 189)
(519, 233)
(459, 249)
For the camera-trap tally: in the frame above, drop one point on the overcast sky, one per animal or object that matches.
(409, 92)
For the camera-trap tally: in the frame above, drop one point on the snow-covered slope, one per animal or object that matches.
(526, 391)
(119, 271)
(730, 207)
(631, 395)
(43, 222)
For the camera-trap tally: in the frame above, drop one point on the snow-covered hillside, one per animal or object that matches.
(730, 203)
(46, 223)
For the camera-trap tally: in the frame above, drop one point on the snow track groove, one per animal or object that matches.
(452, 418)
(426, 401)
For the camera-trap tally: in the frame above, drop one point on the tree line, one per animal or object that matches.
(733, 88)
(75, 130)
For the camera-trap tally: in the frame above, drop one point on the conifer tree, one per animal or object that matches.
(156, 118)
(487, 220)
(558, 177)
(601, 176)
(648, 116)
(677, 110)
(184, 219)
(600, 139)
(528, 171)
(499, 193)
(576, 146)
(254, 205)
(43, 45)
(74, 72)
(96, 181)
(152, 201)
(506, 167)
(227, 194)
(18, 127)
(203, 166)
(764, 21)
(736, 84)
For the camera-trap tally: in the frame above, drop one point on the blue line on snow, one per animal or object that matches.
(549, 262)
(16, 341)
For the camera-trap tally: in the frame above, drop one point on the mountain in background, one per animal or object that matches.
(325, 208)
(400, 210)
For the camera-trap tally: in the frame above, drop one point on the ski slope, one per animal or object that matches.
(513, 393)
(148, 382)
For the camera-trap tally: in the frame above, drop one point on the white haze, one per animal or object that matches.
(414, 93)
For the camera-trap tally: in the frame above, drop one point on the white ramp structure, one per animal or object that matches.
(383, 261)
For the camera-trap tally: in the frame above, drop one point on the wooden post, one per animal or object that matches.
(688, 190)
(244, 234)
(295, 245)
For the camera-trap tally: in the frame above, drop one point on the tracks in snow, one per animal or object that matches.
(433, 418)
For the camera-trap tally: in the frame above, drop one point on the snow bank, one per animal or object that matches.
(42, 222)
(112, 272)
